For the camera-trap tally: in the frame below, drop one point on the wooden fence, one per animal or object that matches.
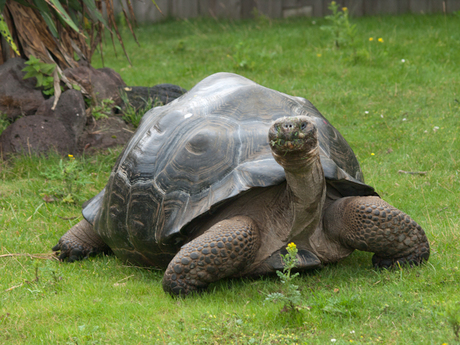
(242, 9)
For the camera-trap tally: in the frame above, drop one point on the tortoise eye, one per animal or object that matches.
(303, 125)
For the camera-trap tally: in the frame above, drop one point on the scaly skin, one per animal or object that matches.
(80, 242)
(371, 224)
(224, 250)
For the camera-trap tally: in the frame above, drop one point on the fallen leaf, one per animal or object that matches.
(48, 198)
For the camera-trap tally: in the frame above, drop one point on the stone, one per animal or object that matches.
(36, 134)
(102, 83)
(105, 133)
(70, 110)
(139, 96)
(18, 96)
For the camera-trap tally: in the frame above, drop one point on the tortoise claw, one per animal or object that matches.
(79, 242)
(70, 249)
(413, 259)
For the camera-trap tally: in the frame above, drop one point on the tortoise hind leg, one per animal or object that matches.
(224, 250)
(371, 224)
(79, 242)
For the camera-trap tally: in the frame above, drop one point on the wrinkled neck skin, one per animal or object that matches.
(305, 180)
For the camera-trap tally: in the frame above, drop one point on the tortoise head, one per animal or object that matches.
(293, 138)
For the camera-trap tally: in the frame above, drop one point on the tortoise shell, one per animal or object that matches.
(200, 150)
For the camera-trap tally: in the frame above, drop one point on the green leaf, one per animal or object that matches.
(93, 11)
(47, 68)
(32, 60)
(73, 14)
(6, 33)
(62, 13)
(30, 74)
(39, 80)
(28, 69)
(46, 14)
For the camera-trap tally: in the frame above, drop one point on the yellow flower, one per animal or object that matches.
(372, 154)
(371, 39)
(380, 40)
(70, 156)
(318, 55)
(344, 9)
(292, 245)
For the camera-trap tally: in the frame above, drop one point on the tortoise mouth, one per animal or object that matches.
(287, 145)
(293, 134)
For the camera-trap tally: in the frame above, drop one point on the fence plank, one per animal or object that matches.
(206, 8)
(184, 8)
(403, 6)
(230, 9)
(291, 3)
(355, 7)
(270, 8)
(452, 6)
(420, 6)
(368, 8)
(146, 11)
(247, 8)
(387, 7)
(317, 7)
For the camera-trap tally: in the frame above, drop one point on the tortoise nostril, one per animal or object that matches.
(288, 125)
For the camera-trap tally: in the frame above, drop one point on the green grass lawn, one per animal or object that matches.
(397, 102)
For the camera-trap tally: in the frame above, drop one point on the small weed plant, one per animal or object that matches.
(103, 110)
(70, 173)
(43, 72)
(3, 122)
(240, 57)
(340, 28)
(291, 295)
(133, 115)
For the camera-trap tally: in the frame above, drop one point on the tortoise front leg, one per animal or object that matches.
(224, 250)
(79, 242)
(371, 224)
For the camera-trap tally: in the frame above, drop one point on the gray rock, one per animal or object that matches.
(18, 96)
(101, 83)
(70, 110)
(138, 96)
(105, 133)
(36, 134)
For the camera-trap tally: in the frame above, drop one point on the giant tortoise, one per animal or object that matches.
(216, 183)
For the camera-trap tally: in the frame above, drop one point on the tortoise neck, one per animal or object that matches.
(308, 189)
